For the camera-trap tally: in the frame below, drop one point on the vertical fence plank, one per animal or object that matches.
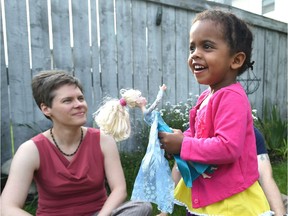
(258, 53)
(95, 55)
(139, 67)
(124, 43)
(108, 49)
(62, 53)
(168, 53)
(271, 66)
(182, 48)
(81, 54)
(40, 52)
(19, 73)
(282, 77)
(6, 152)
(139, 48)
(154, 52)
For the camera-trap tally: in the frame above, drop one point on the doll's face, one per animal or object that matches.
(141, 101)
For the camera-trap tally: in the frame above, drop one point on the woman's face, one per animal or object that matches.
(68, 107)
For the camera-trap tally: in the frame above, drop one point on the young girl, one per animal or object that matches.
(221, 124)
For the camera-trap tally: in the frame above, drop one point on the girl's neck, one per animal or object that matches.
(216, 87)
(205, 101)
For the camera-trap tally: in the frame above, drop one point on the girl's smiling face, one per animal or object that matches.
(210, 59)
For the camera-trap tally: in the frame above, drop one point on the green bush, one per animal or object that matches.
(177, 116)
(274, 129)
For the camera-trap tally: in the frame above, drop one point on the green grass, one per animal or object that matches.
(131, 163)
(280, 175)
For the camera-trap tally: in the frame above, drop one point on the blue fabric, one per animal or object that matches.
(189, 170)
(154, 182)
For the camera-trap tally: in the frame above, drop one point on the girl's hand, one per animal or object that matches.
(171, 142)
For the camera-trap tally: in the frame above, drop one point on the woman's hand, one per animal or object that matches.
(171, 142)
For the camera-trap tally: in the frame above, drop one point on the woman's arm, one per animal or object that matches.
(23, 166)
(114, 174)
(269, 185)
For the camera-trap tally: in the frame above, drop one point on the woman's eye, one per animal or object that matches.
(81, 98)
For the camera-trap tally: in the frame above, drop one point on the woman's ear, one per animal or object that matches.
(238, 60)
(45, 109)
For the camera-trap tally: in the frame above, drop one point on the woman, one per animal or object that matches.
(68, 162)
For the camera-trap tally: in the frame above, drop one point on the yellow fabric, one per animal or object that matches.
(252, 201)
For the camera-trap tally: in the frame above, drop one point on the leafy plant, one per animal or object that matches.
(177, 116)
(31, 204)
(274, 129)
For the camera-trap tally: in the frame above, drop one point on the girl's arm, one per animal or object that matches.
(114, 174)
(24, 164)
(158, 99)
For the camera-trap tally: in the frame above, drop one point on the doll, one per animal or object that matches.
(154, 181)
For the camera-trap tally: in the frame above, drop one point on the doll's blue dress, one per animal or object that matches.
(154, 182)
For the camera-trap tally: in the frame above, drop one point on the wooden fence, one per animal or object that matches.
(118, 44)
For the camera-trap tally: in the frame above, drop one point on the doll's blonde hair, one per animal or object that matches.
(113, 116)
